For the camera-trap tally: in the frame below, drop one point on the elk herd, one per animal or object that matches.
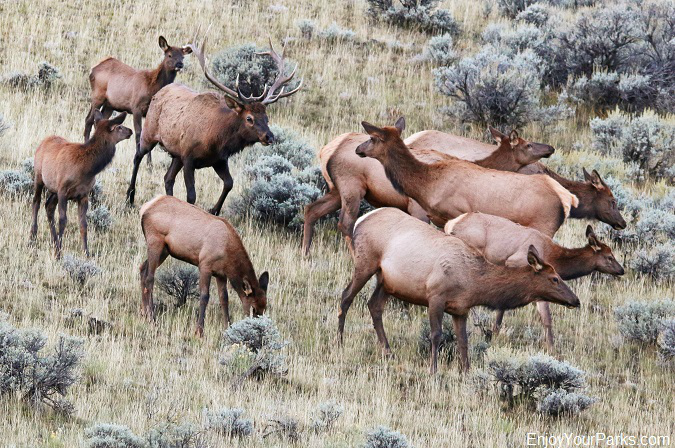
(458, 223)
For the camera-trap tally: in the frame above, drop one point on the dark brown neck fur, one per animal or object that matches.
(572, 263)
(500, 159)
(403, 169)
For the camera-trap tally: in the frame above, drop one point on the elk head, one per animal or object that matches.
(173, 56)
(252, 109)
(603, 256)
(112, 130)
(547, 284)
(254, 298)
(380, 138)
(524, 152)
(604, 203)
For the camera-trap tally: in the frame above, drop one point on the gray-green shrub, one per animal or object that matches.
(79, 270)
(47, 75)
(325, 415)
(383, 437)
(179, 282)
(100, 217)
(535, 14)
(447, 346)
(335, 33)
(642, 321)
(415, 14)
(666, 342)
(106, 435)
(228, 422)
(171, 435)
(439, 50)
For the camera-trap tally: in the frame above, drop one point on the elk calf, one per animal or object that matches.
(116, 86)
(68, 172)
(506, 243)
(418, 264)
(176, 228)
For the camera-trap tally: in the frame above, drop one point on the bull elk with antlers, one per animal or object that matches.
(201, 130)
(116, 86)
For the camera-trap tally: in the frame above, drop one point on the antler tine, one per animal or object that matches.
(250, 98)
(281, 80)
(199, 52)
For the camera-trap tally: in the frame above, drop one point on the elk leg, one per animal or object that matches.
(436, 311)
(189, 177)
(349, 215)
(376, 306)
(82, 208)
(498, 322)
(459, 325)
(141, 150)
(96, 103)
(37, 196)
(157, 253)
(50, 208)
(221, 283)
(171, 173)
(204, 284)
(328, 203)
(359, 279)
(138, 121)
(223, 171)
(63, 220)
(545, 313)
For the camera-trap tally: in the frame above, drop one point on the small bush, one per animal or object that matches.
(78, 269)
(658, 262)
(100, 218)
(666, 342)
(448, 339)
(38, 377)
(255, 71)
(642, 321)
(15, 183)
(307, 28)
(335, 33)
(535, 14)
(415, 14)
(439, 50)
(551, 386)
(282, 181)
(383, 437)
(47, 75)
(286, 427)
(171, 435)
(325, 415)
(255, 344)
(181, 282)
(511, 8)
(228, 422)
(106, 435)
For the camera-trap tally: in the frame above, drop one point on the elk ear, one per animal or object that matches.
(400, 125)
(592, 239)
(587, 177)
(514, 139)
(264, 280)
(498, 136)
(163, 44)
(371, 129)
(119, 119)
(98, 116)
(247, 287)
(533, 259)
(187, 49)
(232, 104)
(596, 180)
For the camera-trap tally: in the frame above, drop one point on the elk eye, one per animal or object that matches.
(555, 280)
(249, 119)
(529, 145)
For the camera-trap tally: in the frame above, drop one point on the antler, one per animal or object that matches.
(280, 82)
(199, 52)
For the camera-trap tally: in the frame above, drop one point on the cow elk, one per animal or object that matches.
(351, 179)
(68, 172)
(201, 130)
(169, 228)
(506, 243)
(416, 263)
(452, 187)
(116, 86)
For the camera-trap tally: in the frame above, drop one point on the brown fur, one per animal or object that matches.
(169, 228)
(365, 179)
(68, 172)
(116, 86)
(420, 265)
(506, 243)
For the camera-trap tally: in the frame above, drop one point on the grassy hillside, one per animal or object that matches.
(140, 375)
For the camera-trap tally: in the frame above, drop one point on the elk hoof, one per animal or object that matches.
(214, 212)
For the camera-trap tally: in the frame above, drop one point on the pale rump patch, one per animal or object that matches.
(325, 154)
(358, 221)
(149, 204)
(452, 223)
(567, 199)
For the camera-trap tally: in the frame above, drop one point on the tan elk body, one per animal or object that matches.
(351, 178)
(506, 243)
(188, 233)
(68, 172)
(418, 264)
(115, 86)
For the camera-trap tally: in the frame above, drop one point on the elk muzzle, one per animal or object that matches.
(267, 138)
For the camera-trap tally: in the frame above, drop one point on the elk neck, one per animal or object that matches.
(572, 263)
(161, 77)
(500, 159)
(402, 168)
(504, 288)
(97, 153)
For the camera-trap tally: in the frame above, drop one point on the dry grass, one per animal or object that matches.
(132, 363)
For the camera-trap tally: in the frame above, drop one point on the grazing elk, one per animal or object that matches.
(116, 86)
(452, 187)
(418, 264)
(506, 243)
(68, 172)
(169, 226)
(596, 200)
(201, 130)
(351, 179)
